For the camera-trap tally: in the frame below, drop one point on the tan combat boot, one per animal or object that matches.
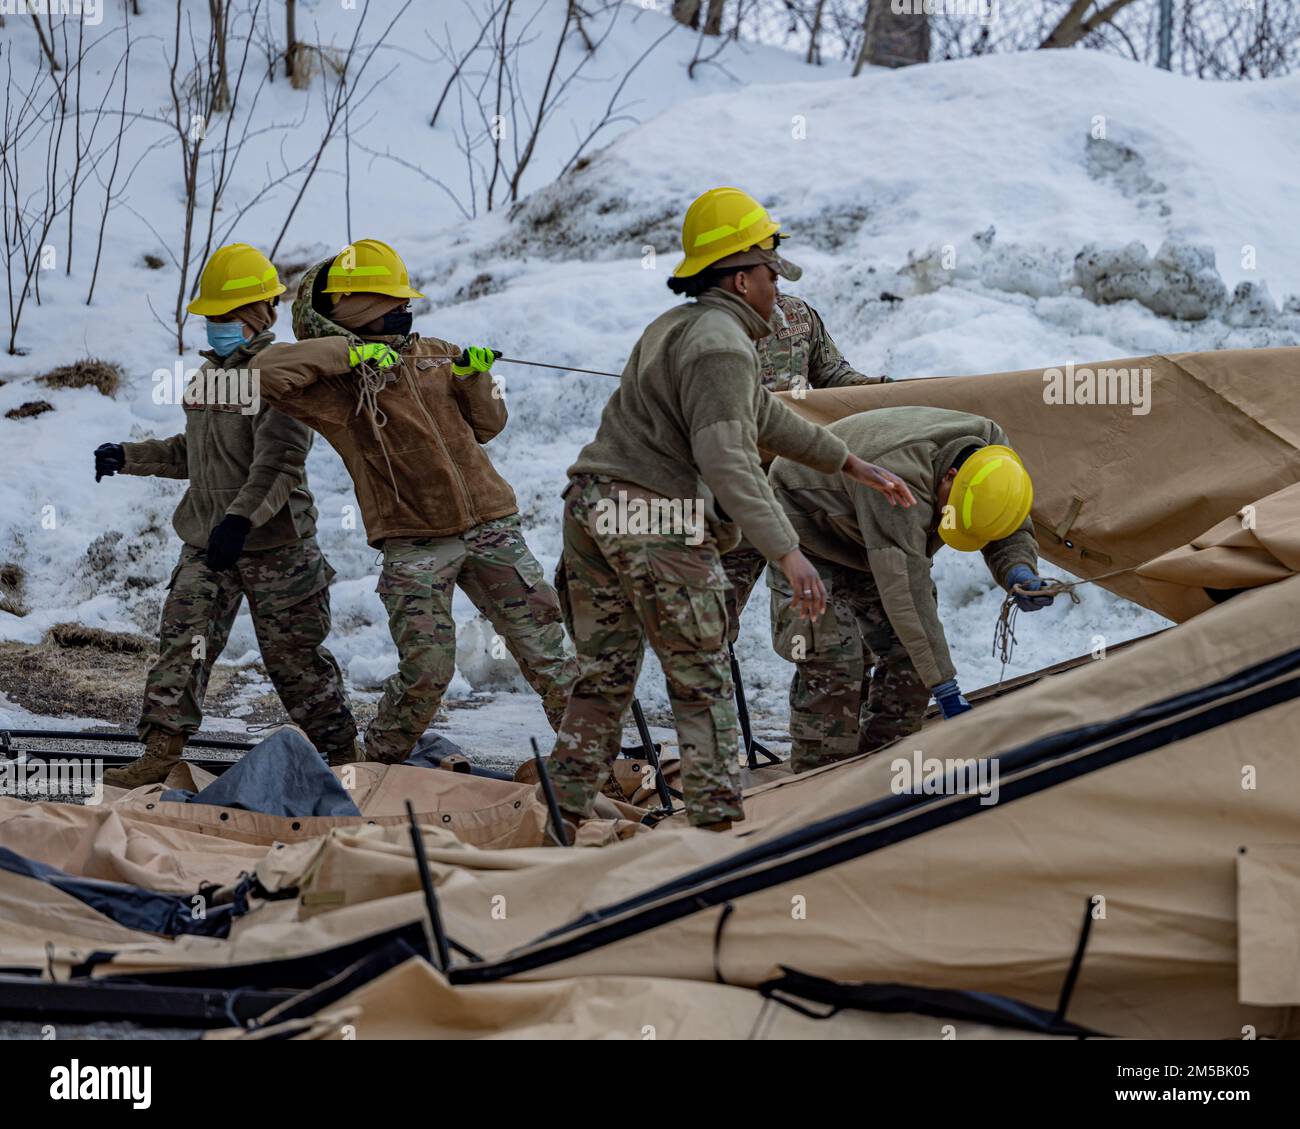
(162, 752)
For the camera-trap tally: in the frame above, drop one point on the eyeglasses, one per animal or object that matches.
(771, 243)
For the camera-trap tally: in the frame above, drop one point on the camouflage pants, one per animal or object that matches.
(493, 566)
(836, 709)
(743, 567)
(289, 600)
(618, 590)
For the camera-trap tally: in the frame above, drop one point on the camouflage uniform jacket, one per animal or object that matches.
(418, 466)
(689, 415)
(800, 353)
(842, 521)
(236, 463)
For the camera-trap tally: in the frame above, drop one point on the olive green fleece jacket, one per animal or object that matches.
(848, 523)
(251, 465)
(690, 413)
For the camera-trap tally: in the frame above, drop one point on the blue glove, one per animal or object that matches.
(950, 698)
(1025, 576)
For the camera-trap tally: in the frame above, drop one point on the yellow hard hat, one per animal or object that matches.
(990, 499)
(236, 275)
(720, 223)
(369, 267)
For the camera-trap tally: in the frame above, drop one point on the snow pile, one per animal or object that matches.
(955, 218)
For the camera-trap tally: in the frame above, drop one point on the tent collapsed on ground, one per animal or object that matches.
(1111, 850)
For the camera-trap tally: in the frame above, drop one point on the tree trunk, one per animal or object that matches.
(1074, 27)
(290, 38)
(219, 16)
(814, 38)
(687, 12)
(892, 40)
(713, 21)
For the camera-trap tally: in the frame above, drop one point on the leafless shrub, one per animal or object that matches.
(499, 124)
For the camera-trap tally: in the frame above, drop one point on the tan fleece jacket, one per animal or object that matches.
(250, 465)
(688, 417)
(845, 522)
(423, 473)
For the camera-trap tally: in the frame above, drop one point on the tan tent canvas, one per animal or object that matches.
(1259, 544)
(1116, 486)
(1128, 789)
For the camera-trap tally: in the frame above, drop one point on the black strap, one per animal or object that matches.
(1072, 976)
(727, 911)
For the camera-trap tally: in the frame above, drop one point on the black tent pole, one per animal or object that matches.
(439, 937)
(652, 755)
(753, 750)
(548, 792)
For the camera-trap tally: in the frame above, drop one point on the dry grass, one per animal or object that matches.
(29, 409)
(78, 635)
(91, 372)
(93, 680)
(73, 682)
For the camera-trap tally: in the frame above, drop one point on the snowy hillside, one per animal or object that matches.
(966, 190)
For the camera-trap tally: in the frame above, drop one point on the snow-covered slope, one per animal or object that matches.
(965, 189)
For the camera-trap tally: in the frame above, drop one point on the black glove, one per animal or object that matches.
(109, 459)
(226, 541)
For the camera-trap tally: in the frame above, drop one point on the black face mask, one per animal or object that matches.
(397, 323)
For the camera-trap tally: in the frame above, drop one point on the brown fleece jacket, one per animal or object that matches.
(423, 472)
(848, 523)
(418, 465)
(251, 465)
(690, 413)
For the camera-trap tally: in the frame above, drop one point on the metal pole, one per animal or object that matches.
(752, 748)
(548, 792)
(438, 935)
(652, 755)
(1165, 61)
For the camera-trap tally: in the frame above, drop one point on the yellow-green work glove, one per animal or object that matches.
(376, 353)
(477, 358)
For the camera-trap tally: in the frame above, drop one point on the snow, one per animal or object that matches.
(967, 189)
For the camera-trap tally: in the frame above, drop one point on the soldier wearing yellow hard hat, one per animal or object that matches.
(974, 494)
(679, 438)
(247, 525)
(798, 354)
(410, 415)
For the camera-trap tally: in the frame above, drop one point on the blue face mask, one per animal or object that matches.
(225, 336)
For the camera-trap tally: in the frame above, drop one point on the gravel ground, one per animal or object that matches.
(23, 1029)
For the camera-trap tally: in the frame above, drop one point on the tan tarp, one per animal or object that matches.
(135, 837)
(1114, 489)
(1260, 544)
(412, 1001)
(993, 903)
(1268, 922)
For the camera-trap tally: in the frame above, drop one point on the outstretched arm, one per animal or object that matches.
(159, 458)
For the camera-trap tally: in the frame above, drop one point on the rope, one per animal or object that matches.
(561, 368)
(1004, 633)
(371, 380)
